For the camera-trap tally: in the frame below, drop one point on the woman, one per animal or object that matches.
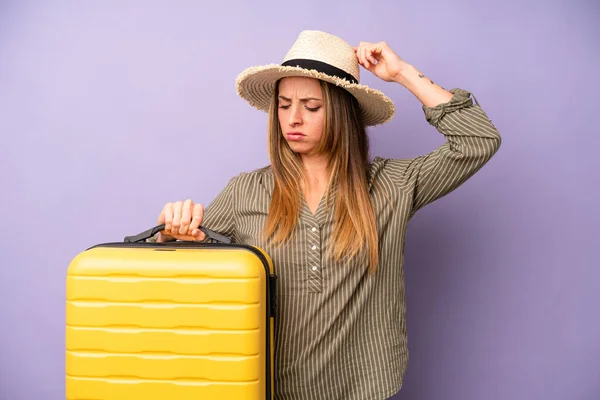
(334, 222)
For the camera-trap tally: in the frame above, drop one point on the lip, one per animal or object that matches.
(294, 135)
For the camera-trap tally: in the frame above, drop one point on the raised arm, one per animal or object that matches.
(471, 138)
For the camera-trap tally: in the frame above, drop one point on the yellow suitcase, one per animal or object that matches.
(179, 320)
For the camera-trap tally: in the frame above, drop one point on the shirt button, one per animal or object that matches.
(314, 229)
(314, 268)
(314, 247)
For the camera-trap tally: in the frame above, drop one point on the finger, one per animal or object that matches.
(368, 56)
(359, 46)
(363, 56)
(197, 215)
(168, 215)
(176, 217)
(369, 61)
(373, 54)
(186, 216)
(188, 238)
(357, 53)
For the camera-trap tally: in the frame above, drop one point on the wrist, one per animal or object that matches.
(407, 76)
(429, 93)
(404, 74)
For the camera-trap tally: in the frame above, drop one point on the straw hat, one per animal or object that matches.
(318, 55)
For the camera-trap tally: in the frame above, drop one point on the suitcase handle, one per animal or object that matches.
(140, 237)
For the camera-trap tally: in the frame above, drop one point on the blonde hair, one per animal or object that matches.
(346, 142)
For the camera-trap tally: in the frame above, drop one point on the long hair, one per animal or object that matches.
(346, 143)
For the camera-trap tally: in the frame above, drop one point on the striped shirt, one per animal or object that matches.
(341, 332)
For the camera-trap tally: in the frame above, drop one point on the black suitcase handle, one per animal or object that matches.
(140, 237)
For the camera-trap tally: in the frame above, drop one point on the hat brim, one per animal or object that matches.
(256, 85)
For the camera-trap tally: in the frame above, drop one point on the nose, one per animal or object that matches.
(295, 115)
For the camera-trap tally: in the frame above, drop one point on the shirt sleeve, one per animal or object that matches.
(219, 215)
(471, 141)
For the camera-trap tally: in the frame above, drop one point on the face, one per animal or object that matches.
(301, 113)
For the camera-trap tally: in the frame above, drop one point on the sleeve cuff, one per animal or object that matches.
(460, 99)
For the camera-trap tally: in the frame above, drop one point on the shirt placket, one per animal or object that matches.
(314, 266)
(312, 248)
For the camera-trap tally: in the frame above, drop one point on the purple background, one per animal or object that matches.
(108, 109)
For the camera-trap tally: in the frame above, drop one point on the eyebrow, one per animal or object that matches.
(304, 99)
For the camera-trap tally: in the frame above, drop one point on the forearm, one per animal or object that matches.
(471, 141)
(428, 92)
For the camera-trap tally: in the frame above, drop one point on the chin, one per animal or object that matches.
(299, 148)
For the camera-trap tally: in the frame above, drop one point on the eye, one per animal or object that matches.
(284, 107)
(313, 109)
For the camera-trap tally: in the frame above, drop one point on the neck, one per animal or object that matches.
(317, 172)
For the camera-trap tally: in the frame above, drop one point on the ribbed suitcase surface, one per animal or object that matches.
(169, 322)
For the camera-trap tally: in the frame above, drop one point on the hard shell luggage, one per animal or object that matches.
(176, 320)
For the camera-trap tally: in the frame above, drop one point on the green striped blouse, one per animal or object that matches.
(340, 332)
